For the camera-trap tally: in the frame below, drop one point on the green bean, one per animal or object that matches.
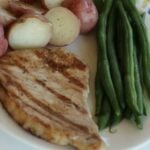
(115, 120)
(138, 83)
(144, 108)
(129, 80)
(98, 92)
(99, 4)
(103, 60)
(105, 114)
(128, 113)
(119, 44)
(141, 40)
(113, 62)
(98, 87)
(139, 121)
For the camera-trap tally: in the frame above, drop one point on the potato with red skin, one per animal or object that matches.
(85, 10)
(3, 42)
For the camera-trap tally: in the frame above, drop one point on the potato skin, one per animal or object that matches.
(85, 10)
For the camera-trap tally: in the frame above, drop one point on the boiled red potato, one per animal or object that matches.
(51, 3)
(30, 32)
(3, 42)
(85, 10)
(66, 26)
(19, 8)
(5, 17)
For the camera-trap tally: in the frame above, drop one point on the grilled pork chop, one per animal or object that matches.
(45, 92)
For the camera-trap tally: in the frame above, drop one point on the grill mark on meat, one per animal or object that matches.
(41, 54)
(62, 97)
(93, 136)
(56, 67)
(20, 66)
(10, 93)
(62, 67)
(73, 79)
(18, 63)
(59, 96)
(49, 56)
(45, 107)
(63, 71)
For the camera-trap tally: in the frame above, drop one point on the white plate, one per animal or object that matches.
(126, 137)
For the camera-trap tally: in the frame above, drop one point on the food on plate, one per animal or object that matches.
(142, 43)
(66, 26)
(45, 92)
(51, 3)
(104, 71)
(3, 42)
(30, 31)
(19, 8)
(123, 66)
(85, 10)
(6, 18)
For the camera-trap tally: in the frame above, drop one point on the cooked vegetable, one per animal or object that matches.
(112, 57)
(139, 121)
(138, 83)
(105, 114)
(99, 4)
(103, 63)
(141, 40)
(129, 65)
(123, 53)
(29, 32)
(86, 11)
(51, 3)
(66, 26)
(98, 93)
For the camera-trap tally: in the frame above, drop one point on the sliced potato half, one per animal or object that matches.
(66, 26)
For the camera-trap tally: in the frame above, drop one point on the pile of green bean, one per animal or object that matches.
(123, 65)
